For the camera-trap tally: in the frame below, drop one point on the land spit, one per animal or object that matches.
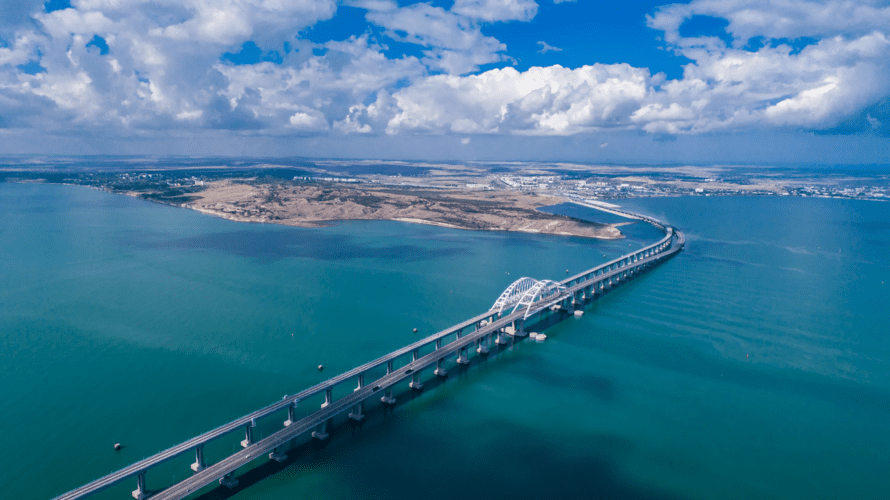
(320, 204)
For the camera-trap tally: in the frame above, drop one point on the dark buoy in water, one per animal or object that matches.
(117, 446)
(320, 367)
(567, 271)
(415, 330)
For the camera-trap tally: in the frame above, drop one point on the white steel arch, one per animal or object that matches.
(524, 292)
(513, 293)
(541, 290)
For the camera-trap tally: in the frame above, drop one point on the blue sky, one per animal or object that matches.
(703, 81)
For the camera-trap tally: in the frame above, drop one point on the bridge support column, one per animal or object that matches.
(501, 339)
(321, 431)
(387, 398)
(356, 413)
(361, 382)
(277, 456)
(440, 368)
(199, 464)
(462, 357)
(327, 398)
(482, 345)
(139, 493)
(519, 328)
(291, 417)
(248, 434)
(415, 381)
(229, 481)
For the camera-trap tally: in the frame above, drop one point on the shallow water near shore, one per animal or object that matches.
(752, 365)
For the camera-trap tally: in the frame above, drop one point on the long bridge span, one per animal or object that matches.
(515, 308)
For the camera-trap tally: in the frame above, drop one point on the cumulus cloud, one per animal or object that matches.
(540, 101)
(790, 64)
(775, 20)
(724, 88)
(454, 42)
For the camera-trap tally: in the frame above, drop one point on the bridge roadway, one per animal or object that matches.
(608, 272)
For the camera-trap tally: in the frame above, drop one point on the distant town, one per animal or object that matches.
(607, 182)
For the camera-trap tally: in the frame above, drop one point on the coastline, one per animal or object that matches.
(316, 206)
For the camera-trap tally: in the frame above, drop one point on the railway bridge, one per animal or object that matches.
(517, 307)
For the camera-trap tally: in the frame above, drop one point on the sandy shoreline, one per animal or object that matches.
(319, 205)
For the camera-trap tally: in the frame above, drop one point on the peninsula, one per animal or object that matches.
(318, 204)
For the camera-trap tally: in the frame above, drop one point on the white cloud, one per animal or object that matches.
(455, 43)
(734, 88)
(496, 10)
(308, 120)
(163, 70)
(546, 47)
(544, 101)
(783, 19)
(23, 49)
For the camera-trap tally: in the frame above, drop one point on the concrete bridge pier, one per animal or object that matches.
(440, 368)
(415, 379)
(248, 434)
(387, 398)
(482, 345)
(462, 357)
(139, 493)
(519, 328)
(361, 382)
(356, 413)
(321, 431)
(327, 398)
(199, 464)
(462, 353)
(415, 383)
(291, 414)
(229, 480)
(568, 304)
(501, 339)
(277, 456)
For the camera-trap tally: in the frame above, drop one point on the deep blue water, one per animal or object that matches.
(753, 365)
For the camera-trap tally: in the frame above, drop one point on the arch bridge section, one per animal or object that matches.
(524, 293)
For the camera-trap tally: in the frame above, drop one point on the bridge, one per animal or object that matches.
(519, 305)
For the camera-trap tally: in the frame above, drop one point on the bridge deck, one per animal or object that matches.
(213, 472)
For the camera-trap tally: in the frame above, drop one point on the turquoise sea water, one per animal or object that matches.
(756, 364)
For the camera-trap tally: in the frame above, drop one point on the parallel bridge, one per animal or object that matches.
(524, 299)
